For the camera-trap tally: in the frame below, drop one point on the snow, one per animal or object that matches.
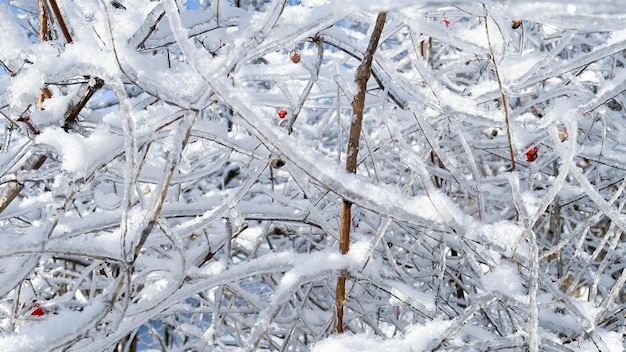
(614, 341)
(160, 208)
(80, 154)
(504, 235)
(506, 280)
(404, 294)
(52, 329)
(417, 339)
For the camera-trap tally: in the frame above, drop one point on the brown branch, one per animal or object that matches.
(13, 187)
(57, 14)
(43, 25)
(358, 103)
(36, 161)
(43, 36)
(72, 112)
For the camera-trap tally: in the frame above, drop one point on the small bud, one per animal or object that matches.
(516, 24)
(614, 105)
(117, 5)
(277, 163)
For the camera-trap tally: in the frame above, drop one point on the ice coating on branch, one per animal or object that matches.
(164, 197)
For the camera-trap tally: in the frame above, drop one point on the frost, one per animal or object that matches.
(417, 339)
(80, 154)
(152, 198)
(504, 280)
(503, 234)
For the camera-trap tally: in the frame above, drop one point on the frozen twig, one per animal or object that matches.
(172, 160)
(305, 93)
(533, 321)
(148, 26)
(43, 22)
(502, 93)
(71, 115)
(60, 20)
(259, 36)
(362, 76)
(456, 325)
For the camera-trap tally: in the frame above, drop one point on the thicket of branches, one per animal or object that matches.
(180, 177)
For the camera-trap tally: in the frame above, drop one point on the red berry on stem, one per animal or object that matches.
(282, 113)
(294, 55)
(36, 309)
(531, 155)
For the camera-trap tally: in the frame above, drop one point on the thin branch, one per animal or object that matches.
(502, 95)
(14, 187)
(162, 187)
(72, 113)
(148, 27)
(43, 22)
(362, 76)
(43, 36)
(59, 16)
(305, 93)
(456, 325)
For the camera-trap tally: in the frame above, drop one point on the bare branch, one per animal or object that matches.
(362, 76)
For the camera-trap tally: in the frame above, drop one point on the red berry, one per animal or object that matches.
(282, 113)
(294, 55)
(36, 309)
(446, 22)
(531, 155)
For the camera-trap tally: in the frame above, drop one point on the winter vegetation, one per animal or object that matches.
(295, 175)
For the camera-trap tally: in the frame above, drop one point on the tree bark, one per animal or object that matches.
(362, 76)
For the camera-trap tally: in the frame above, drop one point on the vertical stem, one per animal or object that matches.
(43, 36)
(502, 95)
(57, 14)
(344, 247)
(362, 76)
(43, 22)
(344, 230)
(34, 162)
(533, 321)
